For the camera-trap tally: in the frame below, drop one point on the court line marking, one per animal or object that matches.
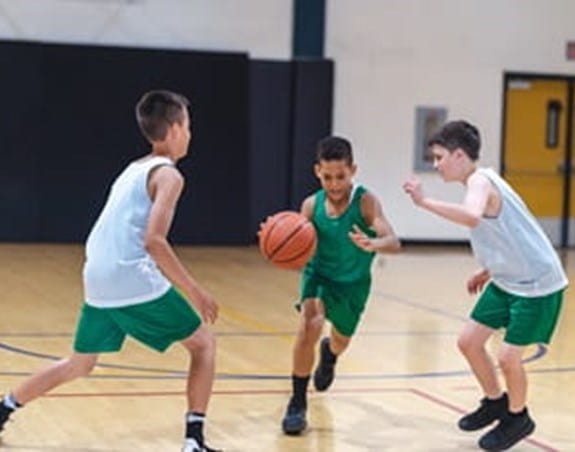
(415, 391)
(420, 306)
(541, 351)
(171, 373)
(457, 409)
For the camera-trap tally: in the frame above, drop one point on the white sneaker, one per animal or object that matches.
(191, 445)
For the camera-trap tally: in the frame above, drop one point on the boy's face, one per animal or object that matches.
(447, 163)
(336, 178)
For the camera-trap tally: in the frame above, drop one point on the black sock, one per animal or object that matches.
(299, 385)
(523, 412)
(195, 426)
(499, 399)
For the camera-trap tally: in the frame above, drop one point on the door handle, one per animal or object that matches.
(554, 108)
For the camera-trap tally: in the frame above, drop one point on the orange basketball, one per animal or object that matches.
(287, 239)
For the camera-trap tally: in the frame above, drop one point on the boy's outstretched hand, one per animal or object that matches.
(361, 240)
(412, 186)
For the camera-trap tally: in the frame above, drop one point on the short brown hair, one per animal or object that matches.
(157, 110)
(458, 135)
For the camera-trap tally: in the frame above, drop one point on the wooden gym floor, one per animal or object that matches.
(400, 387)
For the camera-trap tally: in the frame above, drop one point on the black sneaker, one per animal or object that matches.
(488, 412)
(509, 431)
(5, 413)
(325, 372)
(294, 421)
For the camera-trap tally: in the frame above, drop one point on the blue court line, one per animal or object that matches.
(540, 352)
(177, 374)
(254, 377)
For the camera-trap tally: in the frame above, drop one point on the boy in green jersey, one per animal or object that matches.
(351, 228)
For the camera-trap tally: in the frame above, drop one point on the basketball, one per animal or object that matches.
(287, 239)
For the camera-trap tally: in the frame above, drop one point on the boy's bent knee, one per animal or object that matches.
(201, 340)
(465, 344)
(313, 322)
(510, 359)
(311, 328)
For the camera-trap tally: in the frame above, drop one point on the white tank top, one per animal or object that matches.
(514, 248)
(118, 270)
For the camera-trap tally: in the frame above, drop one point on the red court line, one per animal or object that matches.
(418, 392)
(215, 392)
(438, 401)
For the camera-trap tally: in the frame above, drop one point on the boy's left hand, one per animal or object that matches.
(477, 281)
(361, 240)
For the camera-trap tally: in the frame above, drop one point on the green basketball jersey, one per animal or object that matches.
(337, 258)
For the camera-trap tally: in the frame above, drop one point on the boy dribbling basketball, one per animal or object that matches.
(335, 284)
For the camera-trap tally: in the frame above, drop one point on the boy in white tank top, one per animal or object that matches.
(131, 270)
(522, 278)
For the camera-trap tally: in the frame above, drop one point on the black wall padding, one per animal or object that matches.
(68, 128)
(21, 113)
(270, 92)
(312, 103)
(291, 109)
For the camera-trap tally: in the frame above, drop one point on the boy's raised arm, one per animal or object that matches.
(467, 214)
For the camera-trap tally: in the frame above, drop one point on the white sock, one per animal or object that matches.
(195, 417)
(10, 402)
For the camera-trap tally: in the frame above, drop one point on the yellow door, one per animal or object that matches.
(534, 147)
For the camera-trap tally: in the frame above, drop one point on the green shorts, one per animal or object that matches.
(157, 323)
(528, 320)
(344, 302)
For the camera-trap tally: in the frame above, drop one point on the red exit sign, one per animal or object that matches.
(570, 50)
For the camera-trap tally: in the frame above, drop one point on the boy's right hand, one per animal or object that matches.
(412, 186)
(206, 305)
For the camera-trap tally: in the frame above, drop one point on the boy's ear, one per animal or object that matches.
(353, 169)
(316, 170)
(172, 131)
(459, 153)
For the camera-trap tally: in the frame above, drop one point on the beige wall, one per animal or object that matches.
(261, 27)
(391, 56)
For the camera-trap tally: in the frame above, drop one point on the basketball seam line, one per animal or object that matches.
(297, 256)
(287, 239)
